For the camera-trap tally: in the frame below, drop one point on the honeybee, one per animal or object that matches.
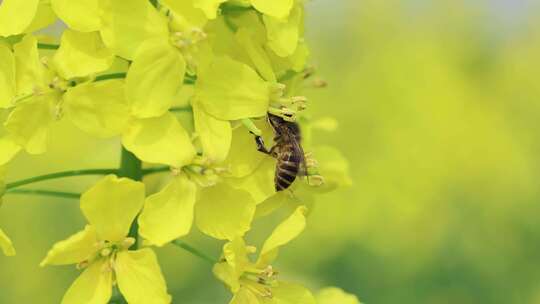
(287, 150)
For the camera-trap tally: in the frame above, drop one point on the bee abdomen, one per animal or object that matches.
(286, 170)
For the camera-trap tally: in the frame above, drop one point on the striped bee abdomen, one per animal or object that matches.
(288, 165)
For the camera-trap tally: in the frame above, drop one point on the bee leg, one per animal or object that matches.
(261, 146)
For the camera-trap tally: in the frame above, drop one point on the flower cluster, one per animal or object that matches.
(184, 84)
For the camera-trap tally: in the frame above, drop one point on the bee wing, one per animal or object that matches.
(299, 154)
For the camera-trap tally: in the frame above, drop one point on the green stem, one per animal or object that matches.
(181, 109)
(194, 251)
(69, 195)
(131, 167)
(48, 46)
(155, 170)
(110, 76)
(154, 3)
(56, 175)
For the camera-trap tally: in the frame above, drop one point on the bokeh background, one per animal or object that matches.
(438, 104)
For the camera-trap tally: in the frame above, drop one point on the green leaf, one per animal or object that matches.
(231, 90)
(81, 54)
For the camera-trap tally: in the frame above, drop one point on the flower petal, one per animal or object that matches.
(81, 55)
(283, 35)
(290, 293)
(75, 249)
(223, 212)
(140, 279)
(6, 245)
(247, 37)
(16, 16)
(274, 8)
(28, 124)
(154, 78)
(30, 72)
(93, 286)
(8, 149)
(98, 108)
(244, 161)
(186, 15)
(111, 205)
(44, 17)
(168, 214)
(231, 90)
(331, 295)
(209, 7)
(215, 135)
(81, 16)
(283, 234)
(7, 77)
(128, 24)
(260, 183)
(160, 140)
(245, 296)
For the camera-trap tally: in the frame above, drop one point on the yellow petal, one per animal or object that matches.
(160, 140)
(227, 275)
(93, 286)
(31, 73)
(28, 124)
(260, 183)
(186, 16)
(236, 253)
(245, 296)
(75, 249)
(6, 245)
(16, 16)
(140, 279)
(98, 108)
(111, 205)
(215, 135)
(154, 78)
(223, 212)
(81, 16)
(168, 214)
(231, 90)
(331, 295)
(81, 54)
(257, 54)
(283, 234)
(126, 25)
(7, 77)
(8, 149)
(44, 17)
(290, 293)
(209, 7)
(283, 35)
(274, 8)
(243, 157)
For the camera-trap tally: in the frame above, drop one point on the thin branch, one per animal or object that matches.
(194, 251)
(110, 76)
(57, 175)
(48, 46)
(68, 195)
(155, 170)
(181, 109)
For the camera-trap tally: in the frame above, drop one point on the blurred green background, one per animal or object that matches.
(438, 104)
